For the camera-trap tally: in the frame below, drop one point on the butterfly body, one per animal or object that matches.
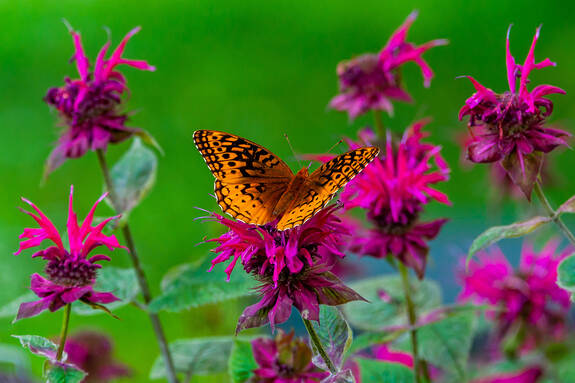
(255, 186)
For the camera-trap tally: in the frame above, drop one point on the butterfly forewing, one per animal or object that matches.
(324, 183)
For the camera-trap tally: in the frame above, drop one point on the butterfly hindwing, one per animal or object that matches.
(324, 183)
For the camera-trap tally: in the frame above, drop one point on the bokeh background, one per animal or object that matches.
(258, 69)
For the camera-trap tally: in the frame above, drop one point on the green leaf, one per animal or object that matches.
(369, 339)
(193, 286)
(566, 274)
(133, 176)
(123, 283)
(446, 343)
(334, 334)
(426, 295)
(200, 356)
(242, 362)
(148, 139)
(60, 373)
(376, 371)
(497, 233)
(10, 309)
(38, 345)
(14, 356)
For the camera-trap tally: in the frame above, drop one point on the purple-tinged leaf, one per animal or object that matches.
(39, 345)
(378, 371)
(344, 376)
(334, 334)
(497, 233)
(523, 170)
(567, 207)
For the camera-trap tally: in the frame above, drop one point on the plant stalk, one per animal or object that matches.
(553, 214)
(64, 332)
(377, 118)
(141, 276)
(317, 343)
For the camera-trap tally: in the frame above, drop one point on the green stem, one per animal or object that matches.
(553, 214)
(377, 118)
(412, 319)
(141, 276)
(64, 332)
(317, 343)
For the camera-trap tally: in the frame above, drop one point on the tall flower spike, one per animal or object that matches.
(90, 106)
(71, 273)
(372, 81)
(510, 127)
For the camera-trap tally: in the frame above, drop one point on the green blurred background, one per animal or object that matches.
(258, 69)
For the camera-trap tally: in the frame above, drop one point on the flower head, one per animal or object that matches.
(288, 264)
(92, 353)
(284, 359)
(90, 106)
(71, 272)
(393, 190)
(372, 81)
(526, 301)
(510, 127)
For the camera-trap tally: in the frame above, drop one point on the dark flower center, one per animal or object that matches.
(73, 273)
(385, 222)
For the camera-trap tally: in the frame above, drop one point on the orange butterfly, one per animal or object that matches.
(255, 186)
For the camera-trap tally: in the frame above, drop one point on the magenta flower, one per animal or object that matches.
(90, 106)
(284, 359)
(526, 301)
(510, 127)
(526, 375)
(372, 81)
(393, 189)
(289, 264)
(71, 273)
(92, 353)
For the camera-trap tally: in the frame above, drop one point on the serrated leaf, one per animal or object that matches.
(377, 371)
(192, 286)
(123, 283)
(334, 334)
(10, 309)
(133, 176)
(59, 373)
(497, 233)
(38, 345)
(200, 356)
(242, 362)
(426, 295)
(566, 274)
(446, 343)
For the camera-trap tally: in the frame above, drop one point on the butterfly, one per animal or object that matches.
(255, 186)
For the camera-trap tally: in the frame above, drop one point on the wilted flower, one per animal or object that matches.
(92, 353)
(284, 359)
(90, 106)
(527, 375)
(372, 81)
(509, 127)
(393, 190)
(71, 273)
(527, 302)
(288, 264)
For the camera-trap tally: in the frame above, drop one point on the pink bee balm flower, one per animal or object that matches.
(289, 264)
(393, 190)
(71, 272)
(532, 374)
(510, 127)
(92, 353)
(284, 359)
(90, 106)
(527, 298)
(372, 81)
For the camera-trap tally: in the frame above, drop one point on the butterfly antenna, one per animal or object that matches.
(292, 150)
(335, 145)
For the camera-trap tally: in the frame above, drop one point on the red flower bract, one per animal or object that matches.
(90, 106)
(510, 127)
(527, 298)
(289, 264)
(71, 273)
(372, 81)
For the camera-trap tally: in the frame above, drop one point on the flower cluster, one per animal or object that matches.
(372, 81)
(71, 272)
(284, 359)
(509, 127)
(393, 190)
(528, 303)
(90, 105)
(288, 264)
